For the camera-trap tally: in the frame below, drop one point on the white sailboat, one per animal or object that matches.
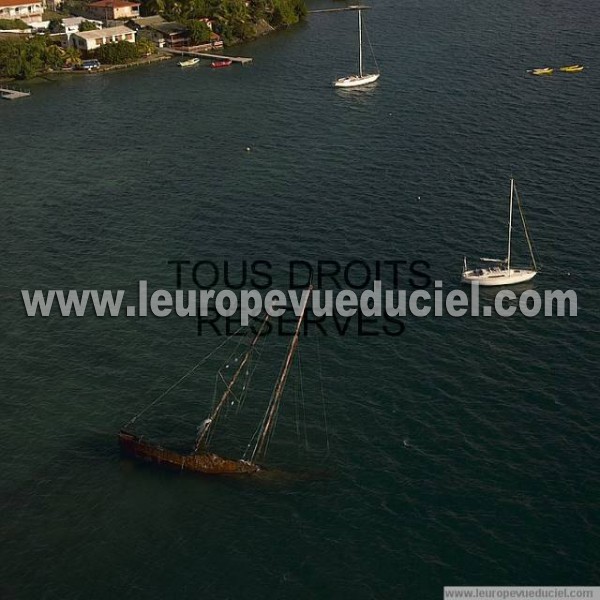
(503, 272)
(362, 78)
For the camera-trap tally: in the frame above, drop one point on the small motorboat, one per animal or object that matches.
(542, 71)
(219, 64)
(572, 69)
(189, 63)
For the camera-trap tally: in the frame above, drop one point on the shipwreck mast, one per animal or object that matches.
(271, 414)
(206, 427)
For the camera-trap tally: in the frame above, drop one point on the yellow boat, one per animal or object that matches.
(543, 71)
(572, 69)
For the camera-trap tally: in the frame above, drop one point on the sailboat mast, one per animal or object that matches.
(512, 187)
(203, 434)
(271, 414)
(360, 51)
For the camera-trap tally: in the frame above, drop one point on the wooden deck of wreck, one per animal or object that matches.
(242, 60)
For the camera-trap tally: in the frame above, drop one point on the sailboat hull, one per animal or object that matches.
(355, 80)
(498, 276)
(202, 462)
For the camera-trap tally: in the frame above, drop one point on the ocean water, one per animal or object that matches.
(464, 451)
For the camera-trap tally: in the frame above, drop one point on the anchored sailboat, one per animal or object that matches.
(200, 459)
(502, 272)
(362, 78)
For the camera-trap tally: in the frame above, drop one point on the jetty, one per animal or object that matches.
(242, 60)
(10, 94)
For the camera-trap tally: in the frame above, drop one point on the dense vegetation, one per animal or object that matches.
(119, 53)
(25, 58)
(13, 24)
(199, 31)
(235, 20)
(87, 26)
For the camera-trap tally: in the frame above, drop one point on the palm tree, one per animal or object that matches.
(145, 46)
(72, 56)
(53, 57)
(155, 7)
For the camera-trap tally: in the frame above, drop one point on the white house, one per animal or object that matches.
(90, 40)
(29, 11)
(71, 25)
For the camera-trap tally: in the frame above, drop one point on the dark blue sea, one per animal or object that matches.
(463, 452)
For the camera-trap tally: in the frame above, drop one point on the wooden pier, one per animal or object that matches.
(10, 94)
(242, 60)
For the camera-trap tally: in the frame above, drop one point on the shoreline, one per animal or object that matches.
(147, 60)
(49, 75)
(160, 56)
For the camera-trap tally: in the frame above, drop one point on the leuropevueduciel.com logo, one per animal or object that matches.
(376, 296)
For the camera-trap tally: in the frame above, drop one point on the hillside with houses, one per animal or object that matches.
(48, 36)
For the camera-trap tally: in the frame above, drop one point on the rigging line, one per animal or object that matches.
(297, 411)
(255, 435)
(265, 420)
(529, 242)
(244, 388)
(233, 358)
(302, 400)
(256, 431)
(271, 414)
(249, 375)
(271, 432)
(272, 401)
(371, 48)
(322, 394)
(224, 397)
(219, 374)
(251, 440)
(216, 387)
(212, 430)
(172, 387)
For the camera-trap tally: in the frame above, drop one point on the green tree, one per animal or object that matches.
(56, 26)
(154, 7)
(72, 56)
(195, 9)
(118, 53)
(145, 47)
(261, 9)
(23, 59)
(54, 57)
(87, 26)
(235, 20)
(199, 32)
(10, 57)
(287, 12)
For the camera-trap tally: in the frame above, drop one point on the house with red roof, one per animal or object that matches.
(113, 9)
